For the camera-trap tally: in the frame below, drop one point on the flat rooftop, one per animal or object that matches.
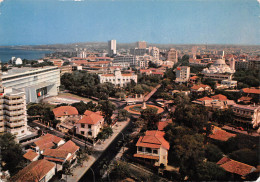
(17, 71)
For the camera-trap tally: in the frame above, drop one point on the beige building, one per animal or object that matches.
(247, 114)
(90, 124)
(153, 147)
(172, 56)
(111, 47)
(141, 45)
(182, 74)
(118, 78)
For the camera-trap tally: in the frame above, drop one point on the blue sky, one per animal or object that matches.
(32, 22)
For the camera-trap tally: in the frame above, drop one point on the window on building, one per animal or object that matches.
(149, 150)
(82, 126)
(89, 126)
(90, 133)
(82, 133)
(140, 149)
(155, 151)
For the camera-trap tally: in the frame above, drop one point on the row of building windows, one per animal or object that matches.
(148, 150)
(28, 74)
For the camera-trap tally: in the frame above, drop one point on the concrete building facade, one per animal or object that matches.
(111, 47)
(37, 83)
(118, 78)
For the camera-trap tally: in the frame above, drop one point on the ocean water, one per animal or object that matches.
(6, 54)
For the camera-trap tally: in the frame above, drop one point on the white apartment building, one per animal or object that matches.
(112, 47)
(118, 78)
(155, 52)
(37, 83)
(13, 118)
(182, 74)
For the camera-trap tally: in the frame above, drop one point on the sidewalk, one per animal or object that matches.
(79, 171)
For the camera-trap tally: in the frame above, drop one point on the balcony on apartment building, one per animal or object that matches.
(15, 124)
(15, 118)
(14, 113)
(14, 107)
(2, 129)
(14, 101)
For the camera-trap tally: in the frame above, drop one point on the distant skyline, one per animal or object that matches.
(38, 22)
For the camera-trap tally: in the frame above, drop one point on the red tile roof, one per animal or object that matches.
(193, 77)
(204, 98)
(153, 139)
(251, 90)
(196, 87)
(146, 156)
(69, 146)
(30, 155)
(162, 124)
(219, 134)
(47, 141)
(244, 99)
(34, 172)
(65, 111)
(219, 97)
(236, 167)
(57, 153)
(91, 117)
(61, 153)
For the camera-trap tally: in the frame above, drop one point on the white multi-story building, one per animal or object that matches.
(13, 117)
(117, 78)
(182, 74)
(219, 70)
(155, 52)
(125, 59)
(112, 47)
(37, 83)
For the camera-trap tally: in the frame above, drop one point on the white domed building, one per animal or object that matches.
(219, 70)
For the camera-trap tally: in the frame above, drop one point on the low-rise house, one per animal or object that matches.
(221, 135)
(215, 102)
(228, 84)
(90, 124)
(194, 79)
(247, 114)
(31, 155)
(251, 92)
(61, 154)
(237, 168)
(153, 147)
(200, 89)
(245, 100)
(63, 112)
(41, 170)
(46, 142)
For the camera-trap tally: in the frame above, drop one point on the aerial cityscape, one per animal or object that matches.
(123, 91)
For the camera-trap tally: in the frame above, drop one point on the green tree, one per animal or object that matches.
(66, 169)
(246, 155)
(123, 114)
(81, 156)
(107, 108)
(213, 153)
(11, 154)
(151, 117)
(209, 171)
